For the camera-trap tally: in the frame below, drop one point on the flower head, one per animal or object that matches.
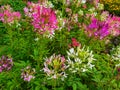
(97, 28)
(28, 73)
(80, 60)
(114, 23)
(43, 18)
(8, 16)
(116, 56)
(55, 67)
(5, 63)
(74, 43)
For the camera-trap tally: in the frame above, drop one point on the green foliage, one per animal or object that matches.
(17, 5)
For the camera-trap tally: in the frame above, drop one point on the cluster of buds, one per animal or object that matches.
(28, 73)
(55, 67)
(80, 60)
(74, 43)
(5, 63)
(8, 16)
(43, 18)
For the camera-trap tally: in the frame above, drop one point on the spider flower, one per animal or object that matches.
(114, 23)
(116, 56)
(8, 16)
(55, 67)
(28, 73)
(5, 63)
(97, 28)
(80, 60)
(43, 18)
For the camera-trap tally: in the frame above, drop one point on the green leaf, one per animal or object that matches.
(82, 86)
(61, 88)
(74, 86)
(44, 88)
(37, 88)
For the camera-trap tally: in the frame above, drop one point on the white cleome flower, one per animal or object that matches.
(116, 56)
(80, 59)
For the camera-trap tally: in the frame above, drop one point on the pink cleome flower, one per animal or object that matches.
(55, 67)
(28, 74)
(97, 28)
(8, 16)
(43, 19)
(114, 23)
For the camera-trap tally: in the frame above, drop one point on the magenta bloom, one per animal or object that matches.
(97, 28)
(43, 19)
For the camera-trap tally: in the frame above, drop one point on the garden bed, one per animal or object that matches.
(58, 45)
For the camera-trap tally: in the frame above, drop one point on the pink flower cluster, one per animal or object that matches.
(107, 25)
(55, 67)
(43, 19)
(114, 23)
(5, 63)
(97, 28)
(8, 16)
(28, 73)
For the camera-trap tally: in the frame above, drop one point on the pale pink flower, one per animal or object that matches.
(114, 23)
(8, 16)
(5, 63)
(28, 73)
(55, 67)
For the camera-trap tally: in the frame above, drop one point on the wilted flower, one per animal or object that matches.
(5, 63)
(8, 16)
(43, 18)
(55, 67)
(28, 73)
(80, 60)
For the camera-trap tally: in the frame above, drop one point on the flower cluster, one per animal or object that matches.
(5, 63)
(8, 16)
(116, 56)
(114, 25)
(55, 67)
(74, 43)
(43, 18)
(28, 73)
(80, 60)
(97, 28)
